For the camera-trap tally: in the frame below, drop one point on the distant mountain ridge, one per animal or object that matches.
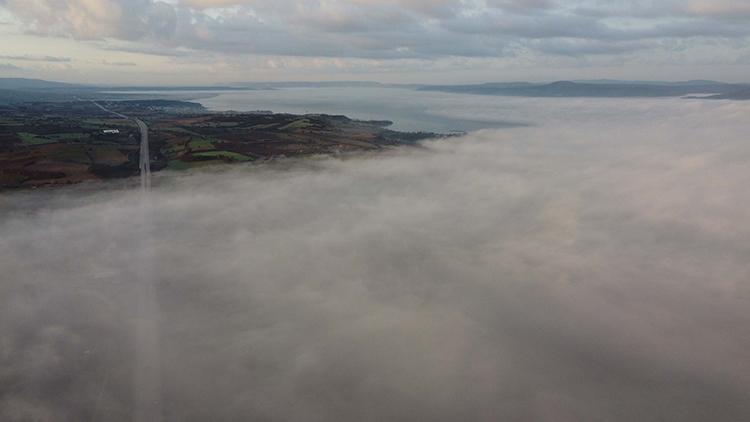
(23, 83)
(303, 84)
(595, 89)
(14, 90)
(735, 95)
(696, 82)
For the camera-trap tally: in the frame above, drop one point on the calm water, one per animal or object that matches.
(410, 110)
(413, 110)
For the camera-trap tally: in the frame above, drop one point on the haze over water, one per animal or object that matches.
(409, 109)
(591, 265)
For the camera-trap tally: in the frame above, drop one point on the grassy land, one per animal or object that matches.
(175, 150)
(106, 122)
(221, 124)
(265, 126)
(297, 124)
(201, 144)
(178, 165)
(8, 121)
(176, 129)
(194, 145)
(69, 136)
(31, 139)
(224, 155)
(79, 150)
(110, 156)
(74, 154)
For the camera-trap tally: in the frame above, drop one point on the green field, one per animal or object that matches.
(34, 139)
(224, 155)
(178, 165)
(31, 139)
(201, 144)
(69, 136)
(265, 126)
(176, 129)
(174, 150)
(74, 154)
(9, 121)
(221, 124)
(297, 124)
(107, 122)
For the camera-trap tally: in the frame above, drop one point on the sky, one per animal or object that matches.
(590, 267)
(406, 41)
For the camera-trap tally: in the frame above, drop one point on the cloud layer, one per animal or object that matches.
(394, 29)
(591, 268)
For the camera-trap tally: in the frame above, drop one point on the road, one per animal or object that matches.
(145, 161)
(147, 373)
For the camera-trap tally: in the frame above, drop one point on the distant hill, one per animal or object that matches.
(15, 96)
(743, 94)
(21, 83)
(16, 90)
(20, 90)
(698, 82)
(599, 88)
(305, 84)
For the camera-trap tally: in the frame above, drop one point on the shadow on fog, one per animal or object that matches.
(590, 269)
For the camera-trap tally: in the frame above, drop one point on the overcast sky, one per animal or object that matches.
(210, 41)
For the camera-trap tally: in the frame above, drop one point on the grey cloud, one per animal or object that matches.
(96, 19)
(161, 20)
(390, 29)
(29, 58)
(589, 268)
(578, 48)
(9, 67)
(540, 27)
(147, 50)
(111, 63)
(522, 5)
(385, 33)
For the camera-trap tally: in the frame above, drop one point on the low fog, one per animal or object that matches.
(590, 267)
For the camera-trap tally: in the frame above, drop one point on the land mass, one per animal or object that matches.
(60, 143)
(601, 89)
(47, 139)
(740, 95)
(16, 90)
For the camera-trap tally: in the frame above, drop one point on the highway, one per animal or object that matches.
(145, 161)
(147, 379)
(145, 164)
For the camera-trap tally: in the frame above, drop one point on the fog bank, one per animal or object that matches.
(592, 267)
